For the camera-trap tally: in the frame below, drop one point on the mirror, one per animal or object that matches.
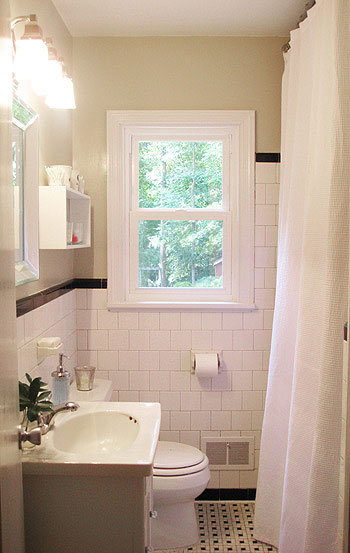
(25, 179)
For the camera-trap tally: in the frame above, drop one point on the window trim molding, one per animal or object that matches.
(117, 122)
(27, 270)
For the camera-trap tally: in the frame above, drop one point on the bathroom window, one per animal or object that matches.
(180, 209)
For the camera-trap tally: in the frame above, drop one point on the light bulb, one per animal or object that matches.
(43, 82)
(31, 52)
(31, 58)
(61, 95)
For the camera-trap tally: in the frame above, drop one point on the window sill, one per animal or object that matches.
(183, 306)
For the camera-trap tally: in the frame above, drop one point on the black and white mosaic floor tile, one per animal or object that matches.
(225, 527)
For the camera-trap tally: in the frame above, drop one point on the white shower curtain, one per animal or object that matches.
(298, 484)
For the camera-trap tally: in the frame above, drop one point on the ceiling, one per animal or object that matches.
(180, 17)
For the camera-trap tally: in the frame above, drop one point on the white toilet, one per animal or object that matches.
(180, 474)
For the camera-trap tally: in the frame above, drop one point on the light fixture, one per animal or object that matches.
(61, 96)
(36, 61)
(31, 55)
(45, 81)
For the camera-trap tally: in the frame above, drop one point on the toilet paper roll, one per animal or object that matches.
(206, 365)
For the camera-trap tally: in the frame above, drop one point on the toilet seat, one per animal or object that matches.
(176, 459)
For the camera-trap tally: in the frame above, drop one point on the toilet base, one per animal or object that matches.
(175, 526)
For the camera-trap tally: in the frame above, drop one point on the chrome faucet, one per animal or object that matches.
(46, 421)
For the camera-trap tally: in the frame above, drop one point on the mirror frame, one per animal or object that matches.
(28, 269)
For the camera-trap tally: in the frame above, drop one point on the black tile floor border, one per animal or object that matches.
(227, 494)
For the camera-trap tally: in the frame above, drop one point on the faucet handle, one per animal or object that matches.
(33, 436)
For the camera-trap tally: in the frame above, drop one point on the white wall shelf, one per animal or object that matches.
(57, 206)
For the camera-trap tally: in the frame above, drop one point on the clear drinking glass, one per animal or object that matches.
(84, 377)
(78, 230)
(69, 232)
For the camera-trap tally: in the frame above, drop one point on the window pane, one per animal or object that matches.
(180, 174)
(22, 113)
(180, 254)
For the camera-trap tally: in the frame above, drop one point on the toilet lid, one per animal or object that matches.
(173, 455)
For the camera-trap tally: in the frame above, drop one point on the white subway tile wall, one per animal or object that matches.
(147, 355)
(56, 318)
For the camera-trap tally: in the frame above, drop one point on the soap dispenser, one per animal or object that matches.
(60, 383)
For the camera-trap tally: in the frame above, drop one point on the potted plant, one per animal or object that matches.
(33, 399)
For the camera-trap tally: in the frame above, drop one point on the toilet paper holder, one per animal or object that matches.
(193, 360)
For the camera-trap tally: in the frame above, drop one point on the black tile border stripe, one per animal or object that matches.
(25, 305)
(90, 283)
(227, 494)
(268, 158)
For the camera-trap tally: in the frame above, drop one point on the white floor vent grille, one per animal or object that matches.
(231, 453)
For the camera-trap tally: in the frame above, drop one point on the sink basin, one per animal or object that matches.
(100, 438)
(104, 432)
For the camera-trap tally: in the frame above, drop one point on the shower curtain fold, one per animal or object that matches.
(298, 484)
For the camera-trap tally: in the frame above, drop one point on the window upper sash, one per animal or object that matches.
(227, 136)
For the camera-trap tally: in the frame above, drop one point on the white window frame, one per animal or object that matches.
(27, 270)
(237, 131)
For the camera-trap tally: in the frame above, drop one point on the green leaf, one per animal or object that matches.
(44, 395)
(23, 389)
(45, 401)
(23, 397)
(25, 401)
(32, 413)
(44, 407)
(29, 378)
(34, 389)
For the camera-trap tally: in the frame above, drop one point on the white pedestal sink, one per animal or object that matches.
(88, 487)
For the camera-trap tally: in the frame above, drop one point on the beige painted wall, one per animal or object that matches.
(165, 73)
(55, 133)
